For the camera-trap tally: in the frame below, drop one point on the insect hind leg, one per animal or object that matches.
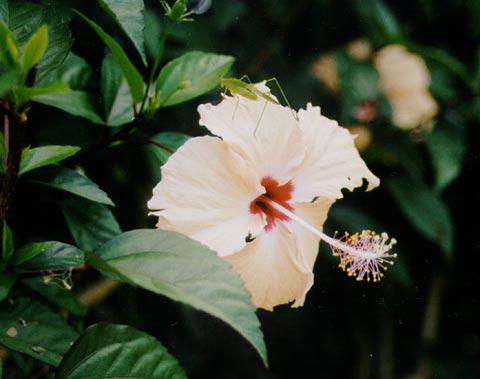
(274, 80)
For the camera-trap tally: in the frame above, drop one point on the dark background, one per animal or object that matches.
(419, 322)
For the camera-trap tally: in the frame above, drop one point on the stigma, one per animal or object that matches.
(365, 255)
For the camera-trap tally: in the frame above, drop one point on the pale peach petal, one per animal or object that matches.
(205, 193)
(262, 132)
(331, 161)
(315, 214)
(273, 269)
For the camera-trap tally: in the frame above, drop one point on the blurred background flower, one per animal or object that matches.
(405, 81)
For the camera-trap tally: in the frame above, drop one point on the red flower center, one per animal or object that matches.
(274, 192)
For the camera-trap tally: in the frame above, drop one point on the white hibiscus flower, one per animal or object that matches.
(258, 193)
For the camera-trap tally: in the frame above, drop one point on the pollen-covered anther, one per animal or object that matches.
(364, 255)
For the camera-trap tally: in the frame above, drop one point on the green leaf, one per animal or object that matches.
(29, 251)
(9, 55)
(34, 49)
(444, 59)
(72, 181)
(58, 295)
(380, 23)
(475, 80)
(173, 265)
(157, 155)
(106, 269)
(358, 83)
(131, 74)
(90, 224)
(44, 256)
(77, 103)
(446, 145)
(129, 16)
(57, 15)
(189, 76)
(25, 17)
(75, 71)
(7, 241)
(117, 102)
(30, 327)
(425, 210)
(8, 80)
(7, 280)
(118, 351)
(22, 94)
(45, 155)
(4, 17)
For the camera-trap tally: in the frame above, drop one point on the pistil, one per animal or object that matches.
(363, 255)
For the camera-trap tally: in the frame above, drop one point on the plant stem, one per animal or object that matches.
(14, 131)
(156, 63)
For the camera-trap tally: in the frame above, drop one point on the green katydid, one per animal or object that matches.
(245, 88)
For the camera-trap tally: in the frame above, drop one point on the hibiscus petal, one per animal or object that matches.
(205, 193)
(331, 161)
(262, 132)
(315, 214)
(273, 269)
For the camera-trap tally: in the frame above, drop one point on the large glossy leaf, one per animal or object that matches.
(117, 102)
(173, 265)
(190, 75)
(45, 155)
(129, 16)
(90, 223)
(72, 181)
(425, 210)
(118, 351)
(30, 327)
(77, 103)
(131, 74)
